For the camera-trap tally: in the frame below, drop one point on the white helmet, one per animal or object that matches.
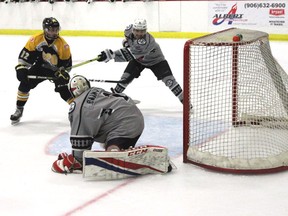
(140, 24)
(77, 85)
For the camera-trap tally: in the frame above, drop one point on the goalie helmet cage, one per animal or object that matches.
(239, 121)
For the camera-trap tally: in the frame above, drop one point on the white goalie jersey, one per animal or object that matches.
(99, 115)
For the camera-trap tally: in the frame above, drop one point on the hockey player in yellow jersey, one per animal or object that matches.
(46, 54)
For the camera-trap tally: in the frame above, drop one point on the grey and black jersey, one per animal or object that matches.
(99, 115)
(146, 50)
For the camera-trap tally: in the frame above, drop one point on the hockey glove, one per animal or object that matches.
(63, 74)
(106, 55)
(122, 95)
(22, 73)
(66, 164)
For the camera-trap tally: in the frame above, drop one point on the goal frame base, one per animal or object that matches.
(237, 171)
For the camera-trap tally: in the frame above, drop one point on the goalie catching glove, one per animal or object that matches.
(106, 55)
(66, 164)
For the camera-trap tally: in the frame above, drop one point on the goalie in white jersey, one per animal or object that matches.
(100, 116)
(142, 51)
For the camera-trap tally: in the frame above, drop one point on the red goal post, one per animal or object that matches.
(239, 121)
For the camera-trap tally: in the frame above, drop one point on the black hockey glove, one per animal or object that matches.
(22, 73)
(122, 95)
(106, 55)
(62, 75)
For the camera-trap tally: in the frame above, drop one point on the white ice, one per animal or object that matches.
(29, 187)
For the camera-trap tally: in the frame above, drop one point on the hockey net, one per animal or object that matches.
(239, 121)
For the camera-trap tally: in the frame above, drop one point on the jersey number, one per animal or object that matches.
(24, 55)
(106, 112)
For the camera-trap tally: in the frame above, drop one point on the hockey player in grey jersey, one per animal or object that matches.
(97, 115)
(142, 51)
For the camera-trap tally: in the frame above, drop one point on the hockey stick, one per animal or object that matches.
(41, 77)
(91, 80)
(83, 63)
(107, 81)
(55, 68)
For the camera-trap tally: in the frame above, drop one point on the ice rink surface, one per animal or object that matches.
(29, 187)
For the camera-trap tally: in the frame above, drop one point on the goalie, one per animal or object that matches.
(114, 120)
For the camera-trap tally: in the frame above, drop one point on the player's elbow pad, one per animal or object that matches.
(124, 54)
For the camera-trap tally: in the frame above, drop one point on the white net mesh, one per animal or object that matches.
(240, 103)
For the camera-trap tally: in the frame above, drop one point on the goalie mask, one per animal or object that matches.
(139, 28)
(77, 85)
(51, 28)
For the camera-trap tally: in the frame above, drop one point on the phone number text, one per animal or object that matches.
(264, 5)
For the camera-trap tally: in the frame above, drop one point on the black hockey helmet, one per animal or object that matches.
(51, 28)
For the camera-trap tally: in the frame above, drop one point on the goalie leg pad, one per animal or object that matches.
(101, 165)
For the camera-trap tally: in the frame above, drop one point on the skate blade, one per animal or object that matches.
(15, 122)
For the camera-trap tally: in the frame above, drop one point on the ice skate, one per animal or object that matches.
(169, 168)
(15, 118)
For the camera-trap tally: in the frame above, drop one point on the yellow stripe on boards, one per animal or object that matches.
(175, 35)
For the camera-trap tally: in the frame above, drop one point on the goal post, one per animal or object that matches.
(239, 121)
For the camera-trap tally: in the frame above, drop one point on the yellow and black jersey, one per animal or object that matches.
(38, 51)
